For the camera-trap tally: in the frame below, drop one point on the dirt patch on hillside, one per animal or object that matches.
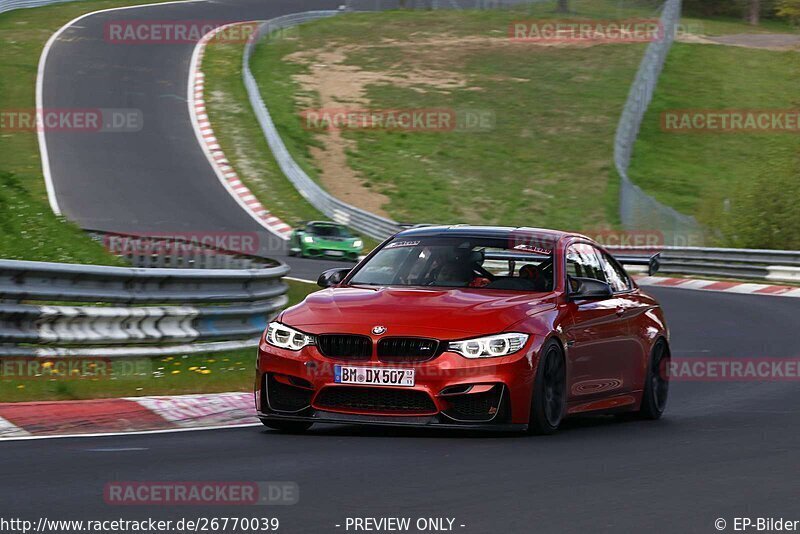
(426, 66)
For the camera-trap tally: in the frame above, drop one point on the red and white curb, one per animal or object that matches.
(719, 286)
(210, 145)
(126, 415)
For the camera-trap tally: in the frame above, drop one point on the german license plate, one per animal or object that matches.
(374, 376)
(335, 253)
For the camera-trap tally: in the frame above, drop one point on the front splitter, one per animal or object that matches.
(432, 421)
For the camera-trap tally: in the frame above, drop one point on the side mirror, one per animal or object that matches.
(589, 289)
(332, 277)
(654, 264)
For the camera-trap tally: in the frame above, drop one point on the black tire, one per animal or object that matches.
(656, 385)
(289, 427)
(549, 402)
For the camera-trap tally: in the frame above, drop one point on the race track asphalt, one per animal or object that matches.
(722, 450)
(157, 179)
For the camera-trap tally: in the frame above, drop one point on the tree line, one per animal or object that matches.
(753, 11)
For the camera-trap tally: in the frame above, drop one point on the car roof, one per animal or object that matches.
(464, 230)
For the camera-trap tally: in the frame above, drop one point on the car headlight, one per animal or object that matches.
(281, 336)
(308, 239)
(489, 346)
(358, 243)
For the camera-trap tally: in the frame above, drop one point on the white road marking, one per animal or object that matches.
(222, 171)
(48, 178)
(138, 432)
(8, 430)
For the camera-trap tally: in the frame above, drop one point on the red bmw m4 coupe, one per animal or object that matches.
(468, 327)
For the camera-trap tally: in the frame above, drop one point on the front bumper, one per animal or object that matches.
(449, 391)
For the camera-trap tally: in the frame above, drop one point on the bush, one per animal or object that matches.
(727, 8)
(763, 213)
(789, 9)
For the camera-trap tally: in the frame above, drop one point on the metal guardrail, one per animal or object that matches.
(177, 252)
(361, 220)
(10, 5)
(762, 265)
(152, 311)
(380, 5)
(639, 210)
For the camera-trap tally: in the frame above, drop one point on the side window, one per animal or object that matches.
(617, 278)
(583, 262)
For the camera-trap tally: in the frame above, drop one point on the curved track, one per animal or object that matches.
(723, 450)
(157, 179)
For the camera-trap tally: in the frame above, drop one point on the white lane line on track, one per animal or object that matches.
(48, 178)
(118, 449)
(135, 433)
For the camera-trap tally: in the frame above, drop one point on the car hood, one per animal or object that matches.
(431, 312)
(334, 241)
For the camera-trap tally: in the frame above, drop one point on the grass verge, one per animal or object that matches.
(742, 185)
(241, 138)
(554, 111)
(28, 228)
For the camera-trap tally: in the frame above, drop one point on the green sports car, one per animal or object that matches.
(318, 239)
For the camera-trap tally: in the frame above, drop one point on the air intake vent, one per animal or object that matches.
(376, 400)
(286, 398)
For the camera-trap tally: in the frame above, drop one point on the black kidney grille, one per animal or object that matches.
(407, 349)
(345, 346)
(379, 400)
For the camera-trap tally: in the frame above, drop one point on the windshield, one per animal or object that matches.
(484, 263)
(328, 230)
